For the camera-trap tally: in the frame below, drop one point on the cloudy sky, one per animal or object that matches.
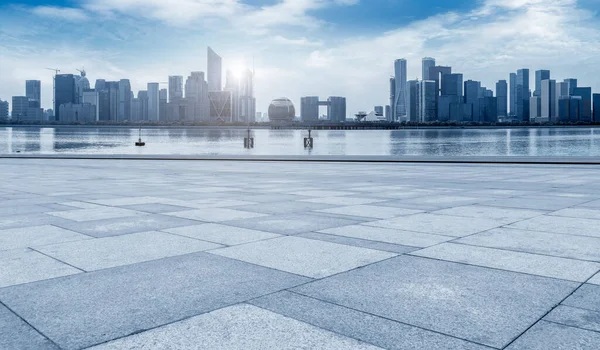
(299, 47)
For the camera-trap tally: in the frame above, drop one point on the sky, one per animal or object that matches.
(297, 47)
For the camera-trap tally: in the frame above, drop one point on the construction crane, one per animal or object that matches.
(56, 71)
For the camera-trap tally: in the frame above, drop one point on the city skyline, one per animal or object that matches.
(483, 40)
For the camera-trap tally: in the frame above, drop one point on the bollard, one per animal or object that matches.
(248, 141)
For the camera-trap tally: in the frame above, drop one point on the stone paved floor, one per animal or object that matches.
(112, 254)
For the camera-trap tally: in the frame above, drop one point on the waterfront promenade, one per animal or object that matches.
(183, 254)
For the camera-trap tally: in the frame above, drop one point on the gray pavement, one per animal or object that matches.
(186, 254)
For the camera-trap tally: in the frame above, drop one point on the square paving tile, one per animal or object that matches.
(323, 193)
(554, 244)
(100, 213)
(343, 200)
(16, 334)
(379, 331)
(506, 215)
(556, 224)
(541, 265)
(222, 234)
(535, 203)
(371, 211)
(155, 208)
(102, 253)
(291, 224)
(578, 212)
(595, 279)
(25, 265)
(545, 335)
(36, 235)
(116, 202)
(586, 297)
(282, 207)
(358, 242)
(87, 309)
(482, 305)
(242, 327)
(446, 225)
(575, 317)
(23, 210)
(409, 238)
(306, 257)
(121, 226)
(19, 221)
(216, 214)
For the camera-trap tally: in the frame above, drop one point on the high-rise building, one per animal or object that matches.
(246, 99)
(162, 104)
(427, 63)
(214, 72)
(414, 100)
(540, 75)
(535, 108)
(81, 84)
(428, 101)
(549, 100)
(502, 98)
(153, 102)
(452, 84)
(472, 92)
(400, 89)
(91, 97)
(64, 92)
(221, 106)
(113, 97)
(572, 85)
(33, 91)
(523, 95)
(196, 92)
(336, 109)
(488, 106)
(309, 108)
(585, 93)
(392, 99)
(3, 110)
(100, 85)
(436, 73)
(143, 104)
(513, 94)
(124, 100)
(569, 109)
(378, 111)
(20, 105)
(175, 88)
(388, 112)
(596, 114)
(562, 89)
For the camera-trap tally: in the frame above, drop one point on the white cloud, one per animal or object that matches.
(65, 13)
(303, 41)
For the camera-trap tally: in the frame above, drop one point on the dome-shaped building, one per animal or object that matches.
(282, 110)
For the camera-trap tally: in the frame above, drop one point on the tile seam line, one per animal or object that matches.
(549, 311)
(60, 261)
(30, 325)
(387, 318)
(571, 326)
(391, 161)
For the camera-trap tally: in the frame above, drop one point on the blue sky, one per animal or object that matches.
(299, 47)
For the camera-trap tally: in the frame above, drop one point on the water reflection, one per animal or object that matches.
(427, 142)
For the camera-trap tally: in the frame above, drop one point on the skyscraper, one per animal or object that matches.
(388, 112)
(20, 105)
(523, 95)
(535, 108)
(502, 96)
(196, 92)
(33, 91)
(428, 101)
(571, 84)
(427, 63)
(585, 93)
(336, 109)
(64, 92)
(540, 75)
(436, 73)
(513, 94)
(247, 101)
(596, 114)
(124, 100)
(452, 84)
(143, 104)
(309, 108)
(175, 88)
(471, 98)
(549, 100)
(391, 115)
(153, 102)
(162, 104)
(414, 100)
(400, 89)
(214, 72)
(3, 110)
